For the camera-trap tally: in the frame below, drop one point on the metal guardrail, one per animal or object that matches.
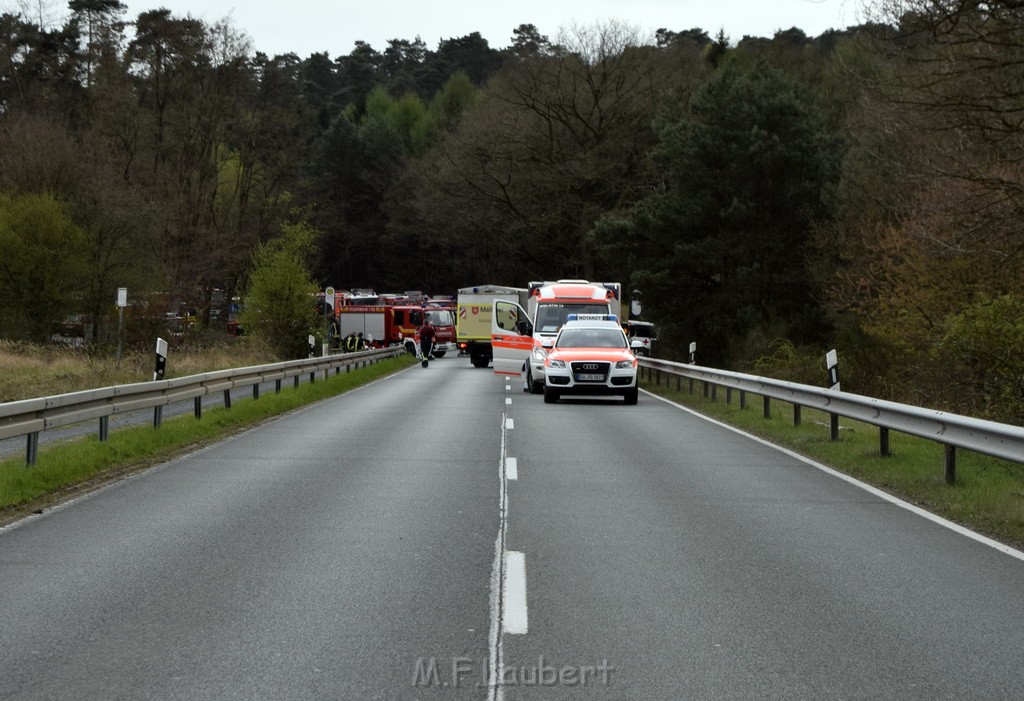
(28, 417)
(951, 430)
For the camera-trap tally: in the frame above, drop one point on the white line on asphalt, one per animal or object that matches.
(511, 469)
(496, 661)
(508, 388)
(509, 423)
(957, 528)
(508, 400)
(514, 619)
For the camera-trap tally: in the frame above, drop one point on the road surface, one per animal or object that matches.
(434, 533)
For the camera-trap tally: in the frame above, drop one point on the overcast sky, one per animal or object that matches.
(306, 26)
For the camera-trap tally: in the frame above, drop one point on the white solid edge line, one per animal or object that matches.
(514, 620)
(511, 469)
(934, 518)
(509, 423)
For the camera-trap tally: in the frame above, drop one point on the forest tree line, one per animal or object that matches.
(767, 197)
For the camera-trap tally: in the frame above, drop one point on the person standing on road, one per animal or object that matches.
(427, 334)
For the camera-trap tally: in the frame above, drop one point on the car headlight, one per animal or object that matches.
(625, 364)
(539, 354)
(556, 363)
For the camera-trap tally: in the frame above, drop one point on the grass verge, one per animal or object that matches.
(68, 468)
(988, 496)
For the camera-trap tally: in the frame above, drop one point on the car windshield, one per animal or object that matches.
(550, 317)
(591, 338)
(441, 317)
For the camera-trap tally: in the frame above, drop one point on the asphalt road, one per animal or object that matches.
(409, 539)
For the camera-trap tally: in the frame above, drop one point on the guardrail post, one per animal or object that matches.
(705, 389)
(296, 381)
(767, 407)
(883, 441)
(158, 416)
(657, 381)
(277, 386)
(227, 399)
(256, 391)
(691, 385)
(312, 377)
(197, 407)
(327, 374)
(679, 382)
(796, 414)
(348, 368)
(714, 392)
(950, 464)
(32, 448)
(104, 428)
(728, 395)
(833, 427)
(743, 399)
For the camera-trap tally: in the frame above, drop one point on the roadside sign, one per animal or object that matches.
(329, 296)
(122, 297)
(161, 359)
(832, 363)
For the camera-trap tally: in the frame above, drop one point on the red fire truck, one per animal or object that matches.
(383, 325)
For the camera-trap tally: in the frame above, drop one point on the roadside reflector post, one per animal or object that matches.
(832, 365)
(161, 359)
(693, 353)
(950, 464)
(122, 302)
(158, 416)
(104, 428)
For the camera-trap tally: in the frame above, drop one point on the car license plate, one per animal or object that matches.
(589, 377)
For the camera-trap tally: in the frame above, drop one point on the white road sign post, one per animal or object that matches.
(832, 363)
(122, 302)
(328, 317)
(158, 374)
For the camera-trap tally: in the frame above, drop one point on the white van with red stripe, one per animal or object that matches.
(520, 338)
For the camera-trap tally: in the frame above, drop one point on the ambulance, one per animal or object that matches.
(521, 337)
(474, 306)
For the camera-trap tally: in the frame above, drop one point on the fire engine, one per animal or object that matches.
(383, 325)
